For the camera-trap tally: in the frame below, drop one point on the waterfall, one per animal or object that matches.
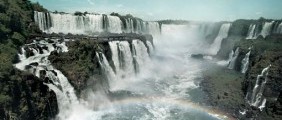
(53, 78)
(266, 30)
(153, 28)
(138, 26)
(122, 58)
(223, 33)
(141, 55)
(234, 58)
(129, 25)
(91, 23)
(245, 63)
(252, 32)
(107, 69)
(127, 61)
(226, 62)
(115, 24)
(94, 23)
(150, 47)
(207, 29)
(278, 29)
(43, 20)
(66, 23)
(256, 98)
(115, 57)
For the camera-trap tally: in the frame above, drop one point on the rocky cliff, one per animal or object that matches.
(262, 90)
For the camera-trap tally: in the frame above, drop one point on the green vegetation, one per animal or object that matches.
(17, 89)
(80, 63)
(177, 22)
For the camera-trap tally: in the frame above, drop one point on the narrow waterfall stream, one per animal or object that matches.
(256, 98)
(245, 63)
(223, 33)
(233, 60)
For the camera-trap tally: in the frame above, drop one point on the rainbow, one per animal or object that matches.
(181, 103)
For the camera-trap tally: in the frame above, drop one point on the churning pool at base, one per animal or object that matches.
(154, 108)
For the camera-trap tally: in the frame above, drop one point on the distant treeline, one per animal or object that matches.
(173, 22)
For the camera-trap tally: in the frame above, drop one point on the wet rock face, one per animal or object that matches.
(264, 52)
(80, 62)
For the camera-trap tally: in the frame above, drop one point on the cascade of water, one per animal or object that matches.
(141, 55)
(245, 63)
(252, 32)
(233, 60)
(41, 20)
(94, 23)
(278, 29)
(125, 59)
(230, 56)
(207, 29)
(59, 83)
(107, 69)
(115, 56)
(257, 98)
(22, 55)
(90, 23)
(138, 27)
(130, 25)
(66, 23)
(115, 24)
(153, 28)
(150, 46)
(266, 30)
(122, 58)
(226, 62)
(223, 33)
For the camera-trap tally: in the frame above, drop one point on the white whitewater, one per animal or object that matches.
(223, 33)
(153, 28)
(225, 62)
(234, 58)
(207, 29)
(41, 20)
(91, 23)
(64, 91)
(257, 98)
(245, 63)
(150, 47)
(66, 23)
(138, 26)
(114, 24)
(141, 55)
(252, 32)
(106, 68)
(266, 29)
(278, 29)
(123, 62)
(129, 26)
(115, 54)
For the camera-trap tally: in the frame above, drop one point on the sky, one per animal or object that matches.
(198, 10)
